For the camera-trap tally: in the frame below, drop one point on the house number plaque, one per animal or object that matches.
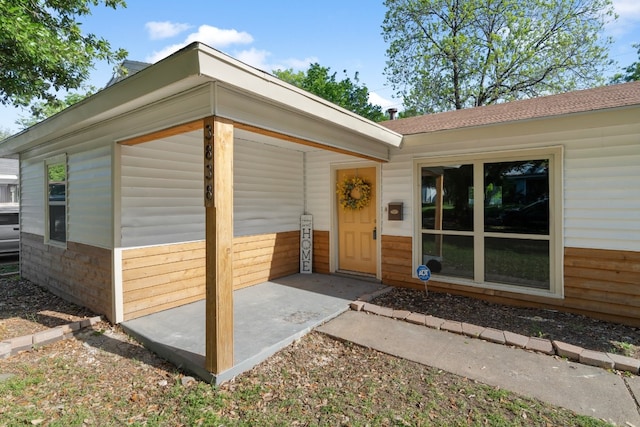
(208, 166)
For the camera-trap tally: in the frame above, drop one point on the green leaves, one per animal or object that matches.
(42, 48)
(346, 93)
(631, 73)
(40, 110)
(445, 55)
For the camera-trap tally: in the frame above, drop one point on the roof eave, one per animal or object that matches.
(267, 86)
(131, 92)
(187, 68)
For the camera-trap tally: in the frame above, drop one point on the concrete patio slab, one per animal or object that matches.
(267, 318)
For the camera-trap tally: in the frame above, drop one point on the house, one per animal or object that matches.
(189, 179)
(9, 181)
(533, 202)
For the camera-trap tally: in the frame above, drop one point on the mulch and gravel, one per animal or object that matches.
(582, 331)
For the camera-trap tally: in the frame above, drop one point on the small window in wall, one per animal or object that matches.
(493, 220)
(56, 200)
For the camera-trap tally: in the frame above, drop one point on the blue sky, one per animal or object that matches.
(340, 34)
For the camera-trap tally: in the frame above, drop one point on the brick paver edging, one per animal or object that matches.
(12, 346)
(540, 345)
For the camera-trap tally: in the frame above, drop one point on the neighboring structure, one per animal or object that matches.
(127, 69)
(9, 181)
(190, 176)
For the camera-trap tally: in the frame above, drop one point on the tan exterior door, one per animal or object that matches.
(357, 228)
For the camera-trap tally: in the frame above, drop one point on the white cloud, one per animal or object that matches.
(627, 9)
(219, 38)
(628, 12)
(212, 36)
(300, 64)
(223, 38)
(160, 54)
(164, 30)
(255, 57)
(259, 58)
(385, 103)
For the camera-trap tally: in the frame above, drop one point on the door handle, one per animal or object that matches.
(375, 233)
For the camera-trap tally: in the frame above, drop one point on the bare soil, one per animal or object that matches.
(26, 309)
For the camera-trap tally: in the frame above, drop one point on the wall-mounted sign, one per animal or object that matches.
(306, 244)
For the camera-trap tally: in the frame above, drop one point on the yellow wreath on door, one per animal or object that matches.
(354, 193)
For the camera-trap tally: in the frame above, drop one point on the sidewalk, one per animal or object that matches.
(586, 390)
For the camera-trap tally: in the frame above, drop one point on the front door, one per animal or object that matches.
(357, 220)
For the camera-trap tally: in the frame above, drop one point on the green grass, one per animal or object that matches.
(9, 268)
(623, 348)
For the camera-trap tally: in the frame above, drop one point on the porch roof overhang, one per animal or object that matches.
(239, 92)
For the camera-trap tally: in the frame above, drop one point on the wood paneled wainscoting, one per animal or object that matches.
(321, 252)
(257, 259)
(157, 278)
(603, 284)
(78, 273)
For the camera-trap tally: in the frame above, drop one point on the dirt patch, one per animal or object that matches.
(26, 308)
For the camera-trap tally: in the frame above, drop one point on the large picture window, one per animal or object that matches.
(56, 170)
(490, 221)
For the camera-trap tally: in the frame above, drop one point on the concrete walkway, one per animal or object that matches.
(267, 318)
(583, 389)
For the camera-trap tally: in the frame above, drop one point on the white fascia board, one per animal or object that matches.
(231, 72)
(171, 75)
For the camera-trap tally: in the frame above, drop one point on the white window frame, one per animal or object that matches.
(556, 251)
(57, 160)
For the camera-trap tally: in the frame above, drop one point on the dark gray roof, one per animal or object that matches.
(126, 69)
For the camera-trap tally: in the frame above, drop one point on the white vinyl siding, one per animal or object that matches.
(268, 189)
(602, 192)
(162, 185)
(89, 197)
(397, 186)
(32, 186)
(161, 191)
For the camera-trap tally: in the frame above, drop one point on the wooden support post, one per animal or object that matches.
(218, 153)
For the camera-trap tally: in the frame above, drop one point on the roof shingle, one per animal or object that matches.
(605, 97)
